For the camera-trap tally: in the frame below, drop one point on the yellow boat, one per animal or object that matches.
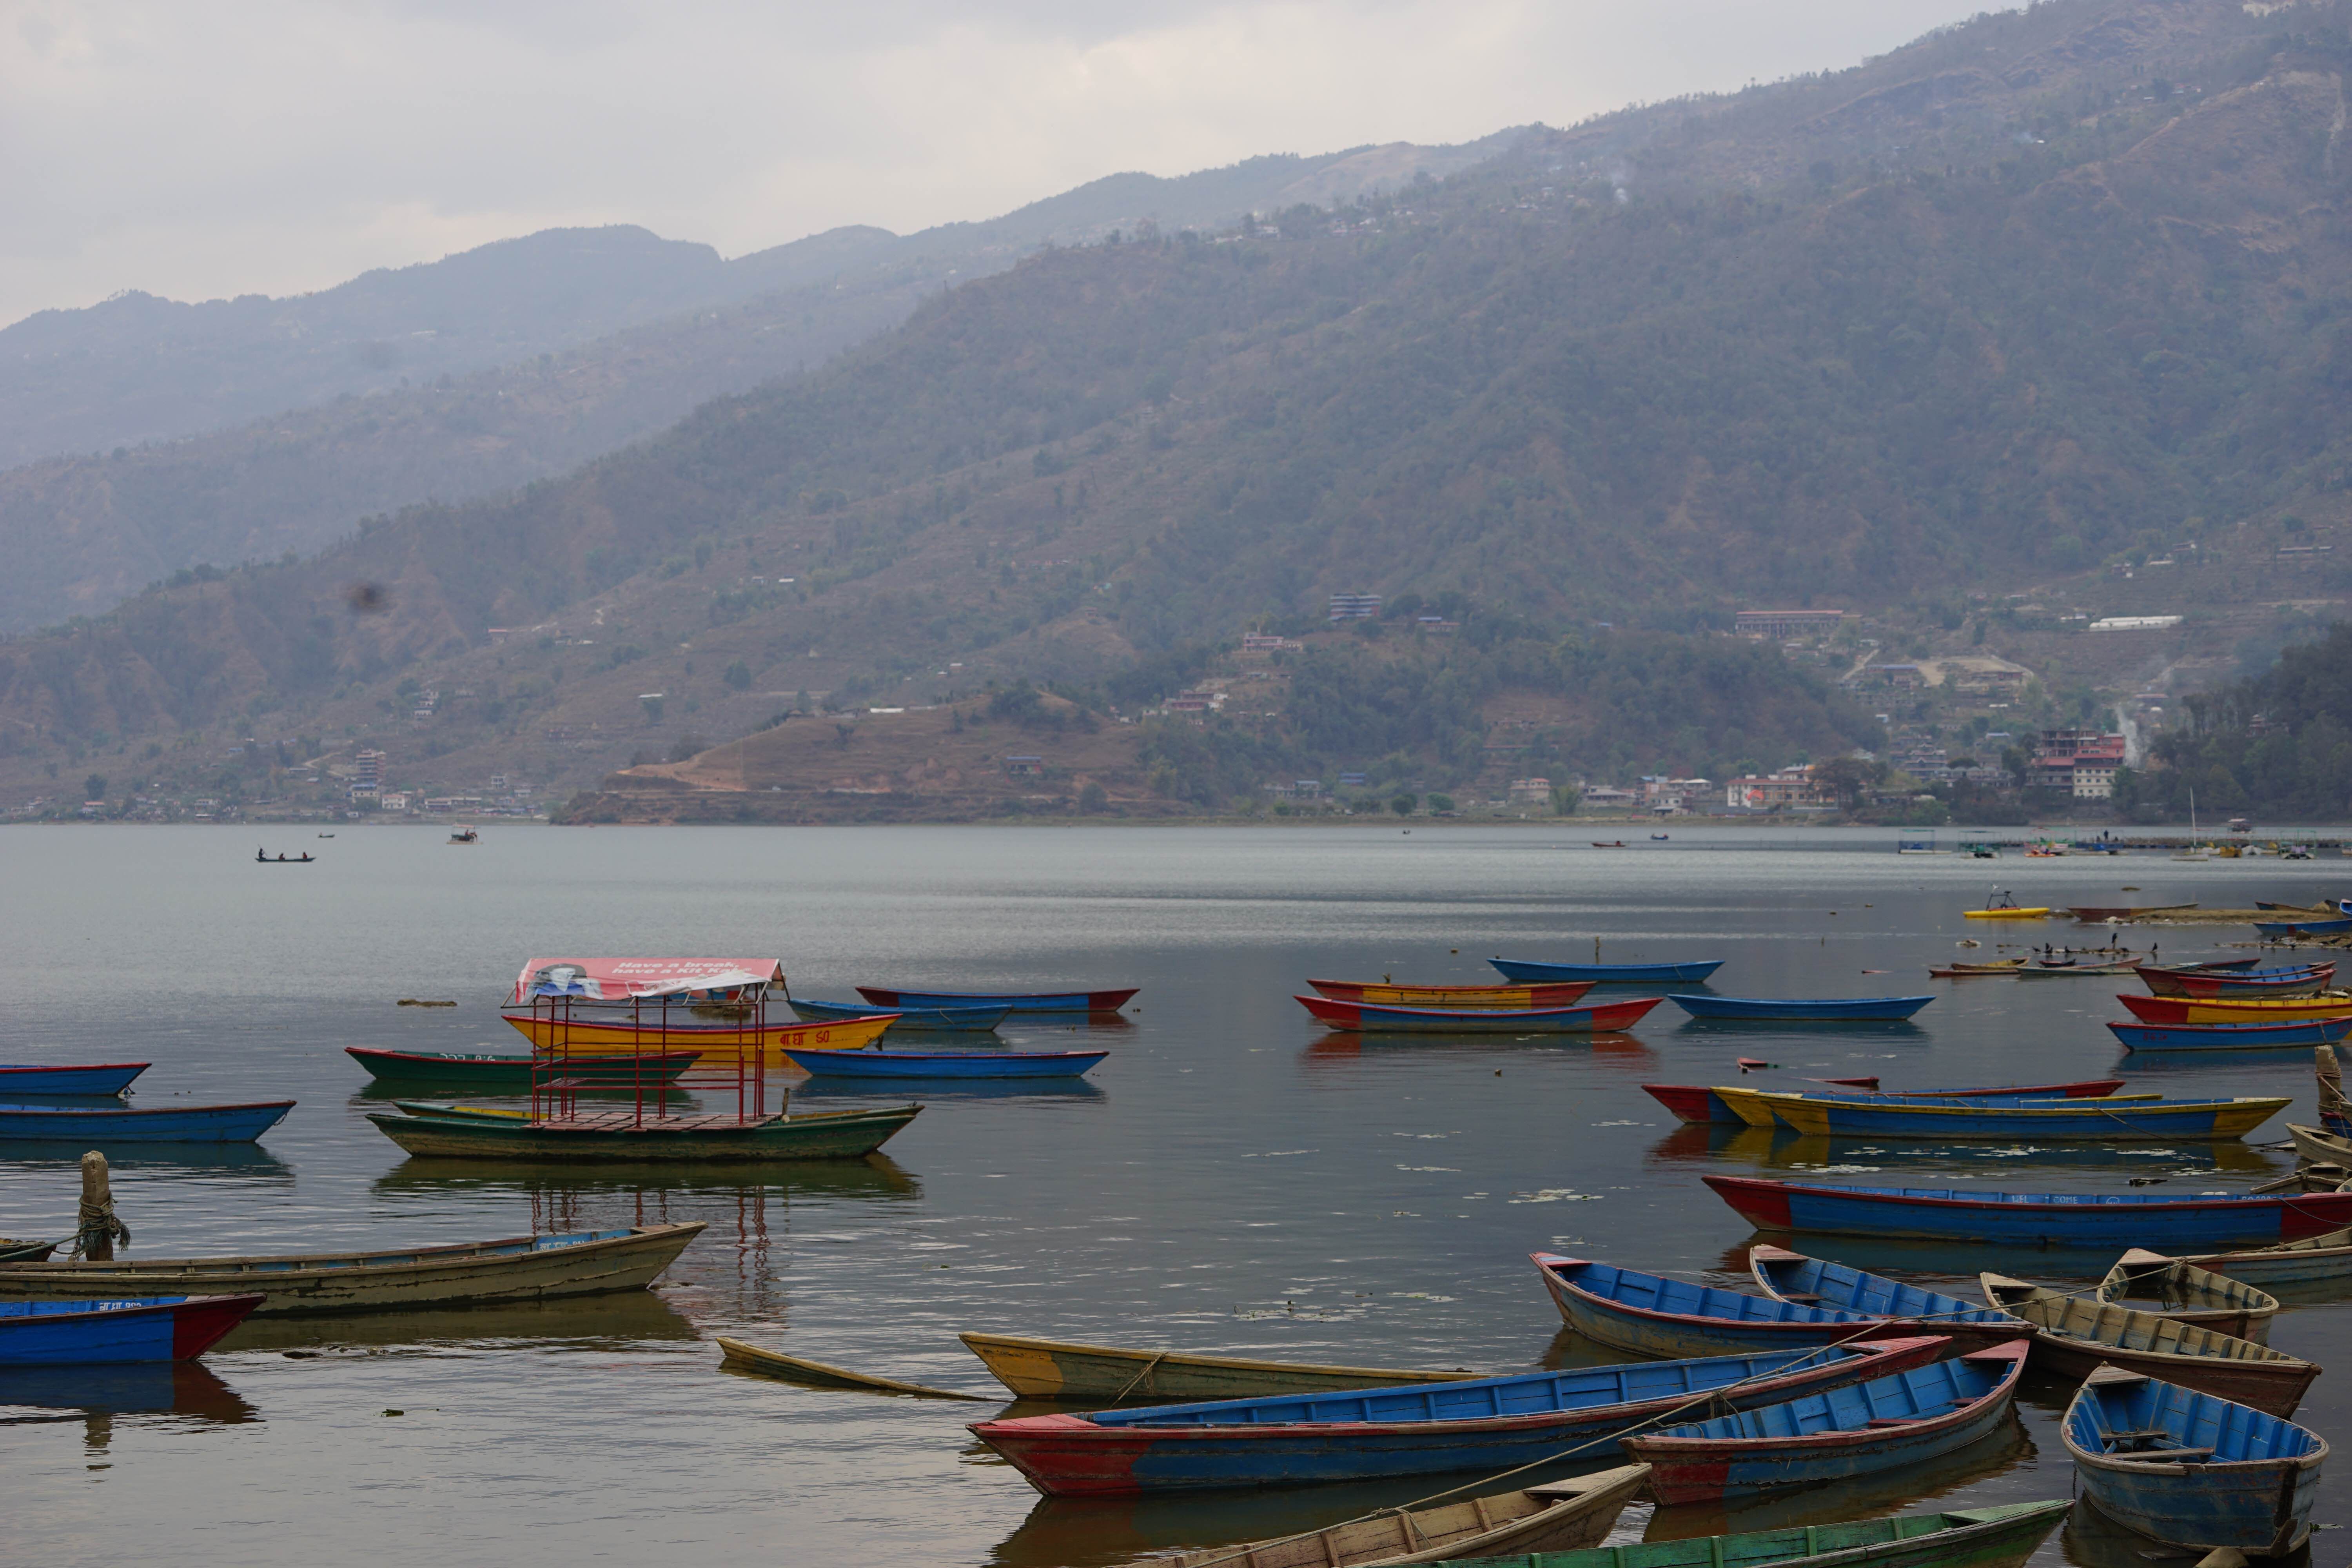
(2116, 1119)
(2031, 913)
(1758, 1107)
(719, 1047)
(2236, 1009)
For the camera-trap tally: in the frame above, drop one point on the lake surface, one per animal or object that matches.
(1231, 1179)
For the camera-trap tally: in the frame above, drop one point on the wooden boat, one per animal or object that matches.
(1017, 1000)
(946, 1064)
(620, 1136)
(2116, 1120)
(1053, 1369)
(1901, 1308)
(1842, 1435)
(2067, 968)
(719, 1044)
(2236, 1009)
(2190, 1468)
(1362, 1017)
(1691, 974)
(304, 858)
(1752, 1107)
(908, 1020)
(1655, 1316)
(466, 836)
(2092, 914)
(1486, 1424)
(108, 1125)
(1814, 1010)
(2317, 1143)
(2191, 1294)
(2108, 1221)
(485, 1072)
(1563, 994)
(15, 1251)
(1612, 844)
(99, 1077)
(84, 1333)
(1560, 1516)
(744, 1357)
(1994, 968)
(2302, 980)
(2077, 1337)
(2231, 1037)
(2316, 1260)
(1694, 1102)
(2318, 927)
(513, 1268)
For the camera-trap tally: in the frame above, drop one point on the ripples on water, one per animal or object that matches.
(1231, 1179)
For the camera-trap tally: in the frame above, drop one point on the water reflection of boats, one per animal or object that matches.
(656, 1188)
(673, 1100)
(932, 1088)
(1811, 1154)
(1609, 1044)
(1701, 1142)
(1798, 1032)
(625, 1316)
(240, 1159)
(159, 1388)
(1912, 1489)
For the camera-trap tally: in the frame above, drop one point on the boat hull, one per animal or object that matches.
(909, 1020)
(485, 1073)
(2231, 1037)
(1691, 974)
(2191, 1294)
(1899, 1307)
(1844, 1434)
(836, 1135)
(1774, 1010)
(1393, 1432)
(2231, 1010)
(1052, 1369)
(97, 1077)
(108, 1127)
(1671, 1320)
(1016, 1001)
(1521, 997)
(1359, 1017)
(945, 1064)
(2256, 1503)
(77, 1331)
(2078, 1120)
(2076, 1338)
(2033, 1219)
(574, 1037)
(516, 1268)
(2322, 1259)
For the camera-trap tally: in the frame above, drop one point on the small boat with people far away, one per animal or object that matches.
(1822, 1114)
(2192, 1469)
(2236, 1009)
(905, 1020)
(97, 1077)
(1898, 1307)
(1798, 1010)
(106, 1125)
(2255, 1036)
(1559, 1516)
(2107, 1221)
(485, 1072)
(83, 1333)
(1692, 973)
(1362, 1018)
(1655, 1316)
(947, 1064)
(1693, 1102)
(1055, 1369)
(1862, 1430)
(1523, 997)
(513, 1268)
(2076, 1337)
(1992, 969)
(2191, 1294)
(1484, 1424)
(1109, 1001)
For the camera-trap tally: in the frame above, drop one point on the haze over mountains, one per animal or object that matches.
(2046, 290)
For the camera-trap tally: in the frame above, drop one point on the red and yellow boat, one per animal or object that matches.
(721, 1043)
(1547, 993)
(2236, 1009)
(640, 1007)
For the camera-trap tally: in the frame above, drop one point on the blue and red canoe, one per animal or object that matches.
(1652, 1315)
(159, 1124)
(1487, 1424)
(2110, 1221)
(97, 1077)
(1017, 1000)
(2263, 1036)
(155, 1328)
(1367, 1018)
(1696, 1102)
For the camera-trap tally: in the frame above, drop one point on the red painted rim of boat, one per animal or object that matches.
(2012, 1350)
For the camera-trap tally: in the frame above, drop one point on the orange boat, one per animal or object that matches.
(2236, 1009)
(721, 1044)
(1552, 993)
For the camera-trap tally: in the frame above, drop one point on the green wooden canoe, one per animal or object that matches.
(1966, 1538)
(619, 1136)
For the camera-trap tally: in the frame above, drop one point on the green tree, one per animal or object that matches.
(1566, 798)
(94, 787)
(1404, 804)
(1441, 801)
(738, 676)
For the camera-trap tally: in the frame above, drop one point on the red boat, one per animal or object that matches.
(2234, 1009)
(2303, 981)
(1386, 993)
(1367, 1018)
(1694, 1102)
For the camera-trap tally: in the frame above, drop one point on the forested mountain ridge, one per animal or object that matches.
(1563, 386)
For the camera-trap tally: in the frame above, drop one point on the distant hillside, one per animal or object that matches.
(2074, 292)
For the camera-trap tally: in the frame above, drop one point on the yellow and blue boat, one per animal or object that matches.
(2121, 1119)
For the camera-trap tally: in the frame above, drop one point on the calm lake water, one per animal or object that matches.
(1231, 1179)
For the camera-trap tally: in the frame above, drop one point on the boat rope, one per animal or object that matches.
(1140, 1373)
(94, 1223)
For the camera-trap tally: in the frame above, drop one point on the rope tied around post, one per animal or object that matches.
(96, 1226)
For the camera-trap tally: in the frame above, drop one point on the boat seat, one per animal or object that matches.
(1802, 1298)
(2140, 1435)
(2166, 1456)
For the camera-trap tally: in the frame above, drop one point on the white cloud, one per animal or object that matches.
(277, 145)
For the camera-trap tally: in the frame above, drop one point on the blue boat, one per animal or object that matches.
(2110, 1222)
(886, 1000)
(2286, 1032)
(1788, 1276)
(1693, 973)
(1652, 1315)
(161, 1125)
(1839, 1434)
(156, 1328)
(1801, 1010)
(103, 1077)
(2303, 928)
(2192, 1469)
(911, 1020)
(944, 1064)
(1486, 1424)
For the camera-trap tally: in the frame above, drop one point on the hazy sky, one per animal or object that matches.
(199, 148)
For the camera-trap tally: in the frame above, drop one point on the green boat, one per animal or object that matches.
(1965, 1537)
(489, 1073)
(454, 1132)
